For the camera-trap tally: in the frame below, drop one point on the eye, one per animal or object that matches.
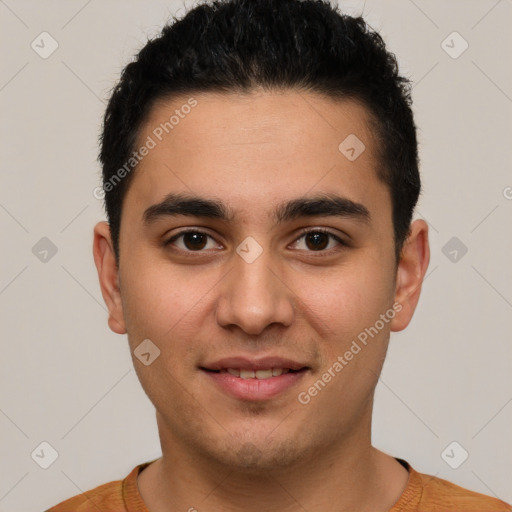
(192, 241)
(313, 240)
(318, 240)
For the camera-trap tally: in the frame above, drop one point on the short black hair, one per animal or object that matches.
(240, 45)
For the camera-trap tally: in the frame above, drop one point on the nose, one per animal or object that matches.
(255, 295)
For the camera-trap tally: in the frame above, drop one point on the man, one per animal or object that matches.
(260, 173)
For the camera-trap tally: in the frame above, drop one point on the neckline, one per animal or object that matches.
(411, 495)
(408, 500)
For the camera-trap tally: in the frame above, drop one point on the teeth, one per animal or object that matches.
(258, 374)
(263, 374)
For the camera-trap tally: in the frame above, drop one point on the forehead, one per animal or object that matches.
(258, 148)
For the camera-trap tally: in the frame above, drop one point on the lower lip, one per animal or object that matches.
(255, 389)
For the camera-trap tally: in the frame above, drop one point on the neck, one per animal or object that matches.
(350, 475)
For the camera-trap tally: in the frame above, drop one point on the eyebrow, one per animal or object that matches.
(323, 205)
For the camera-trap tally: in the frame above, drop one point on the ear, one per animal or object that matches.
(108, 274)
(411, 271)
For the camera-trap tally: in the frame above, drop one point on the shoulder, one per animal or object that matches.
(109, 497)
(427, 493)
(104, 497)
(441, 495)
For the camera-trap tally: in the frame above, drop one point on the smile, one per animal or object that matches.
(258, 374)
(255, 385)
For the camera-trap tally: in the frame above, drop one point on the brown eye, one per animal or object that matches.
(317, 240)
(192, 241)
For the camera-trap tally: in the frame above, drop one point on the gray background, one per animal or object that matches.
(67, 380)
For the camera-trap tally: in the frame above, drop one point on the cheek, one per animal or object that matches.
(153, 300)
(166, 303)
(350, 304)
(162, 306)
(349, 298)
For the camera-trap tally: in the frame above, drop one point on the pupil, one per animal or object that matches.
(194, 240)
(316, 239)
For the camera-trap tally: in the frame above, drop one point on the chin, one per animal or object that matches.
(258, 455)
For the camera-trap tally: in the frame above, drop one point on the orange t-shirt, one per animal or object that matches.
(424, 493)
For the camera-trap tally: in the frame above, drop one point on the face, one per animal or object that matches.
(249, 241)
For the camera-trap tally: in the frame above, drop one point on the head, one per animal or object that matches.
(238, 46)
(253, 123)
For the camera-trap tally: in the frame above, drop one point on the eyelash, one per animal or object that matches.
(303, 233)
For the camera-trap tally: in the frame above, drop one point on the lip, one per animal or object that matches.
(255, 389)
(254, 364)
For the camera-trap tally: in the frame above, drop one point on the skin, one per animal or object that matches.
(251, 152)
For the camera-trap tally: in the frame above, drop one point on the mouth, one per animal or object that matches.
(247, 373)
(255, 381)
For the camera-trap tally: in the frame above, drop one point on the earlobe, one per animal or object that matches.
(411, 271)
(106, 265)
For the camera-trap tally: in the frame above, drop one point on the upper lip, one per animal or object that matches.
(254, 364)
